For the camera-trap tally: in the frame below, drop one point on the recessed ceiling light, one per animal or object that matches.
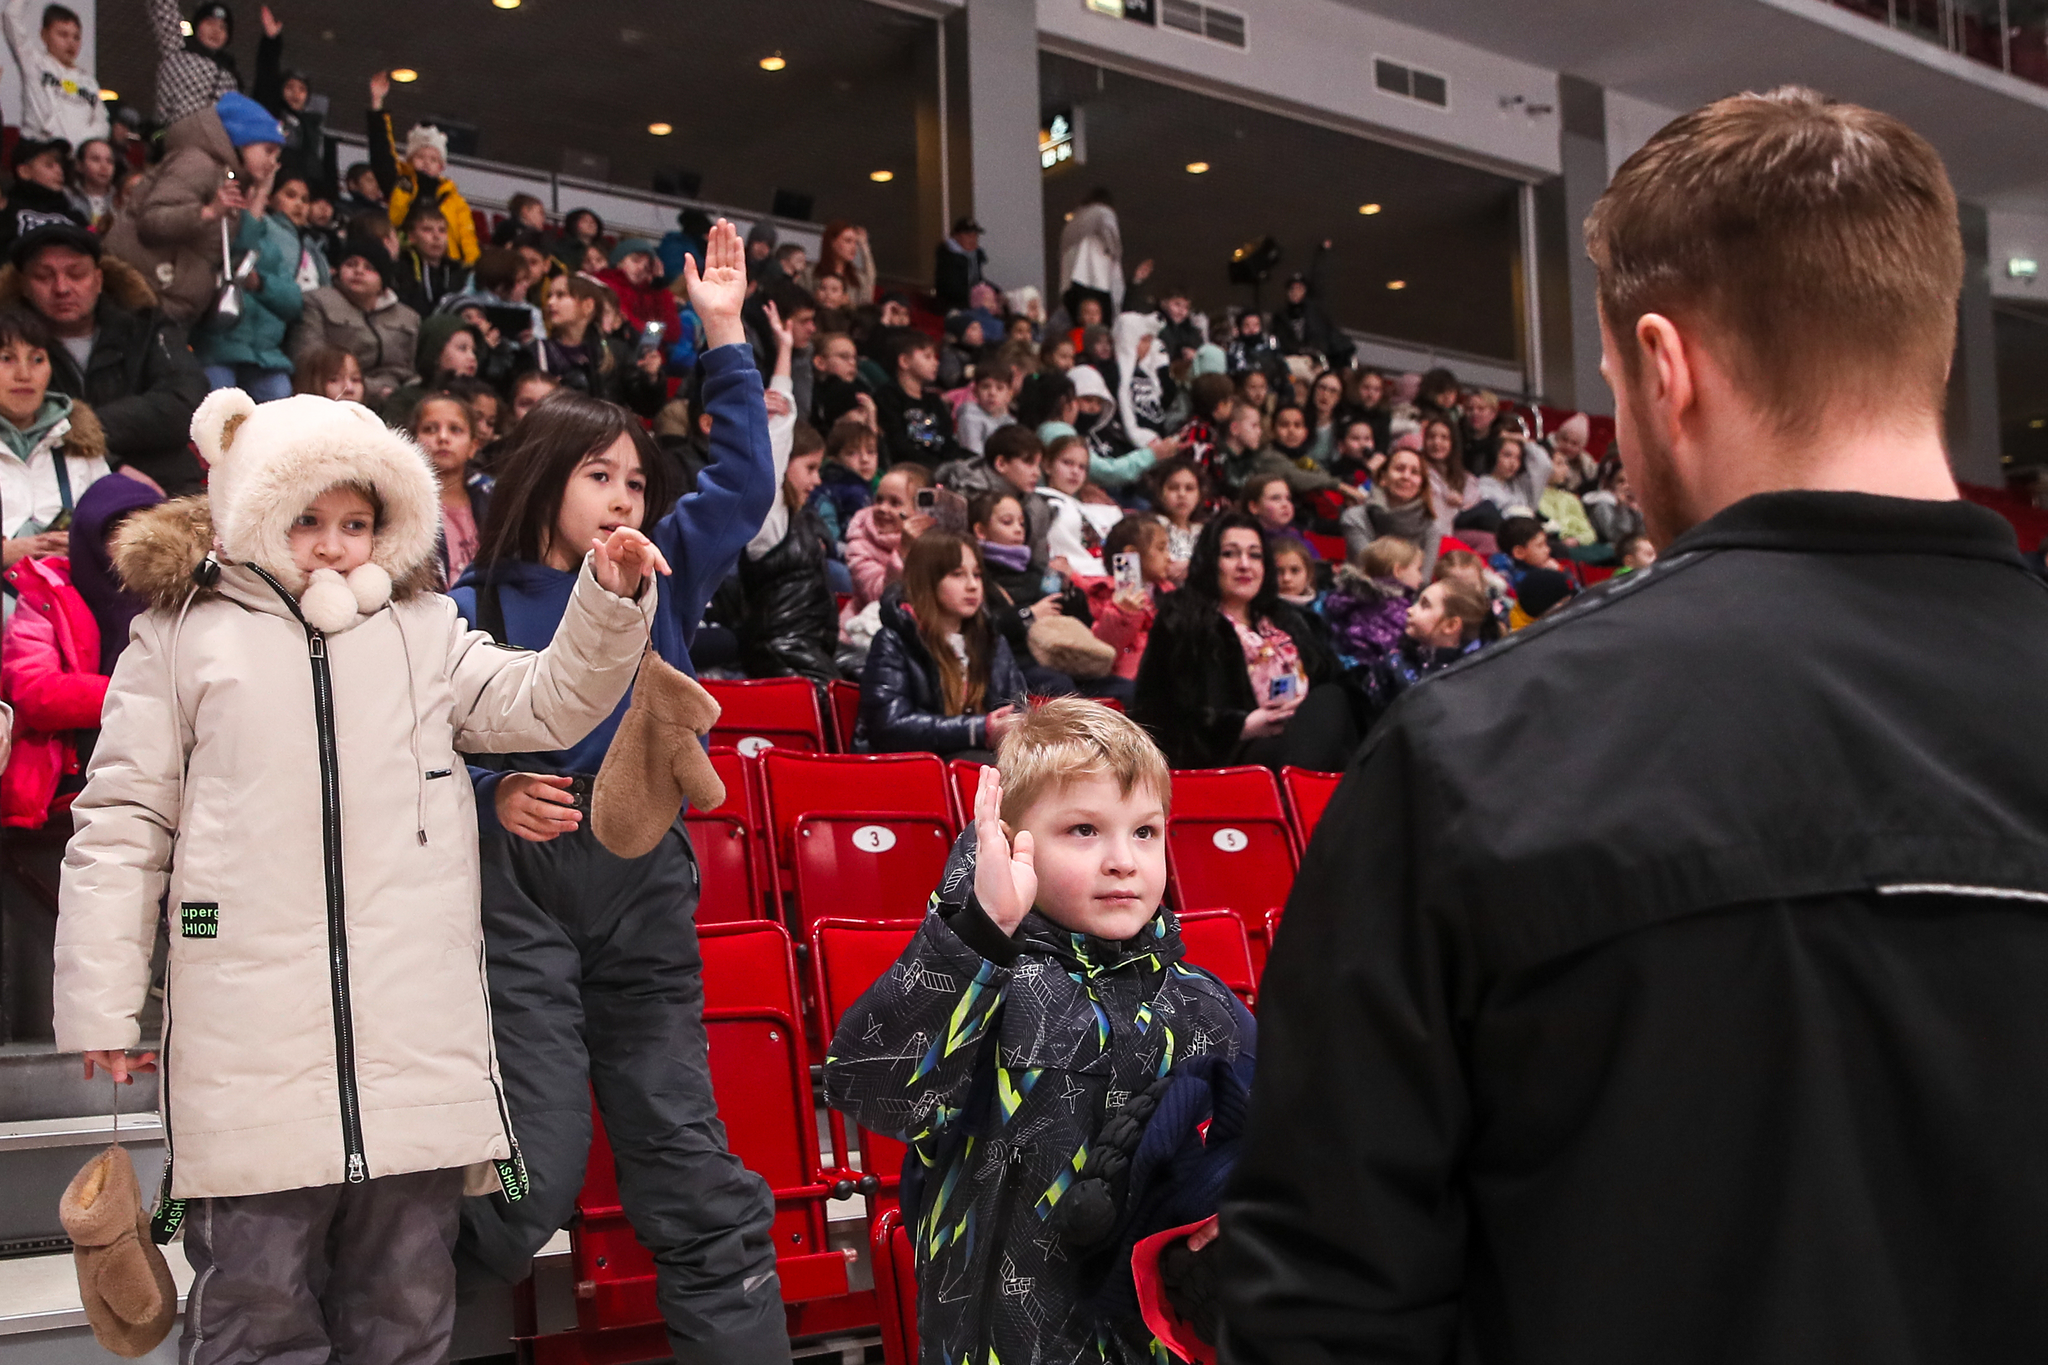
(660, 129)
(1397, 284)
(506, 4)
(404, 75)
(1197, 167)
(773, 62)
(185, 27)
(881, 177)
(109, 96)
(1368, 209)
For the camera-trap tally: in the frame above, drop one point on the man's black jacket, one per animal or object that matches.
(1670, 983)
(140, 379)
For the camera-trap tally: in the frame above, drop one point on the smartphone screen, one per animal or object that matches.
(1283, 686)
(1128, 574)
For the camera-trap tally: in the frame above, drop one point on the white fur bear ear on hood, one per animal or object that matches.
(269, 462)
(214, 424)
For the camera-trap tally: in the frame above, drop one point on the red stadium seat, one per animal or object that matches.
(725, 863)
(763, 1085)
(1308, 792)
(767, 713)
(1230, 845)
(965, 775)
(858, 834)
(895, 1264)
(847, 957)
(1216, 942)
(845, 710)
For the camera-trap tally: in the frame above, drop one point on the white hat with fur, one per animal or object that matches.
(268, 462)
(425, 135)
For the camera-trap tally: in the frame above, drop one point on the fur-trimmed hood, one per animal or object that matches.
(156, 550)
(123, 284)
(266, 463)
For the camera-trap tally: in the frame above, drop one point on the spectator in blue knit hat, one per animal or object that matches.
(217, 163)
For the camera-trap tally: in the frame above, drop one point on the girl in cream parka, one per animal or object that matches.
(280, 751)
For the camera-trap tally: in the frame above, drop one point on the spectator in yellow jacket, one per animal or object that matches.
(418, 174)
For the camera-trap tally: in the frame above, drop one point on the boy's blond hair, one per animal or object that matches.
(1065, 738)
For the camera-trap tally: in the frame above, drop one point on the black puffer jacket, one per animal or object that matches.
(1194, 691)
(791, 623)
(900, 710)
(1000, 1058)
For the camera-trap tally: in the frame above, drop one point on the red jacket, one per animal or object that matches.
(641, 306)
(48, 657)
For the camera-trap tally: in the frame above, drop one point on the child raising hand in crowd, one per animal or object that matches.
(1026, 1036)
(286, 721)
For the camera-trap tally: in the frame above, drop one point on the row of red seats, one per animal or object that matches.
(752, 1012)
(866, 836)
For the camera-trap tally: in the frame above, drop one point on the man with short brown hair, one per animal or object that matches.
(1665, 984)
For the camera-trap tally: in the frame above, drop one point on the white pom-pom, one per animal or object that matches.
(371, 586)
(327, 604)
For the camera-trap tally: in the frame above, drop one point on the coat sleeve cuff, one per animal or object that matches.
(972, 926)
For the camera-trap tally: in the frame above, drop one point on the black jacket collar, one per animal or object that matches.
(1854, 523)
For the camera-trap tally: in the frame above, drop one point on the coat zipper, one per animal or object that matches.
(337, 921)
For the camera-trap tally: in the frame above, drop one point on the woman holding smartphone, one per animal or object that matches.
(1231, 674)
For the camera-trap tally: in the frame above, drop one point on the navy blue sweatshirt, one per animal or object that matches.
(702, 539)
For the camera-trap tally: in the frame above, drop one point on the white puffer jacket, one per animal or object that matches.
(301, 794)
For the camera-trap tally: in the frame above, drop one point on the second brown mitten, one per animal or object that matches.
(123, 1282)
(656, 761)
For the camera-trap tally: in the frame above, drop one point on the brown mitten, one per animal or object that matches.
(656, 761)
(122, 1279)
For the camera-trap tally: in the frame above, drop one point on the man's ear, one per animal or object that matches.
(1664, 366)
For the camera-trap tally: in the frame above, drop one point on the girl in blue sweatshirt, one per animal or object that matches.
(595, 978)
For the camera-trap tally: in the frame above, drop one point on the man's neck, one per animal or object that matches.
(73, 331)
(1901, 461)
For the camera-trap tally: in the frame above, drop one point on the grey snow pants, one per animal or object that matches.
(596, 984)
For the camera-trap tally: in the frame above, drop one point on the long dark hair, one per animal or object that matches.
(536, 461)
(926, 563)
(1201, 592)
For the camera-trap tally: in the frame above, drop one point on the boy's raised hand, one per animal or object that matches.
(622, 561)
(717, 293)
(1005, 880)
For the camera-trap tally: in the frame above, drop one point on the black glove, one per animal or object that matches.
(1190, 1280)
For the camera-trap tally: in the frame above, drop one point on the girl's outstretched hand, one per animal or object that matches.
(621, 561)
(718, 291)
(1005, 880)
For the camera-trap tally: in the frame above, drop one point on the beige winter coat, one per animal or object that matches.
(310, 1017)
(163, 231)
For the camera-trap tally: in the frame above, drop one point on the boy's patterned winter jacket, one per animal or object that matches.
(999, 1059)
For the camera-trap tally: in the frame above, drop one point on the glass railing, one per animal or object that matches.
(2010, 35)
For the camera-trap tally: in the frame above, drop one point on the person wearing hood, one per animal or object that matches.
(276, 757)
(360, 313)
(100, 511)
(1145, 390)
(70, 625)
(60, 99)
(418, 174)
(1092, 256)
(449, 348)
(965, 341)
(1367, 605)
(171, 226)
(644, 296)
(37, 198)
(1112, 460)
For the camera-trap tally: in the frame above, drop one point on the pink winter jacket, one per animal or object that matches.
(47, 660)
(874, 557)
(1127, 631)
